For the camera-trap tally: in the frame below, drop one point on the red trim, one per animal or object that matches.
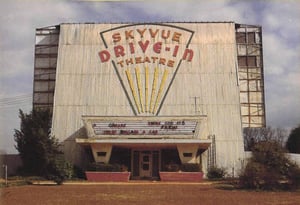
(181, 176)
(108, 176)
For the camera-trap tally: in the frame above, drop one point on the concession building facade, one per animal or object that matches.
(147, 95)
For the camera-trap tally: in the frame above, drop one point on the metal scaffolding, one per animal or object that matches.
(46, 50)
(251, 75)
(212, 157)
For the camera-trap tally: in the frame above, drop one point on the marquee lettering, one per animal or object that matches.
(130, 34)
(136, 43)
(146, 58)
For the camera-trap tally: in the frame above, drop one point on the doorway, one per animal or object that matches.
(145, 164)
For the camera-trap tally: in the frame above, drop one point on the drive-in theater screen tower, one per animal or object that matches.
(149, 94)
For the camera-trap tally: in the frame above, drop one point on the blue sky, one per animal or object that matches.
(280, 20)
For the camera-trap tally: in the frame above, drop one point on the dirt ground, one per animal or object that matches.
(141, 193)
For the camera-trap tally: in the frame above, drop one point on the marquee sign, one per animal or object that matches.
(146, 58)
(103, 127)
(145, 128)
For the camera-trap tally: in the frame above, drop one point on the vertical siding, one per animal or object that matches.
(84, 86)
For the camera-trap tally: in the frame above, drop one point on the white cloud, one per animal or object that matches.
(281, 37)
(279, 56)
(190, 10)
(282, 17)
(16, 62)
(18, 21)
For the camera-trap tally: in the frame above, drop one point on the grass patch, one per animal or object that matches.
(20, 181)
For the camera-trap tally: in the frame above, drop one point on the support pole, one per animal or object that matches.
(5, 171)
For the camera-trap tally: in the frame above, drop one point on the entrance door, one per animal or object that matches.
(146, 164)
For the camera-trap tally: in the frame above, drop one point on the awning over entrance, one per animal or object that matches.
(187, 134)
(202, 144)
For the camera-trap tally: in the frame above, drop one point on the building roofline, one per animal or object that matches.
(148, 22)
(154, 22)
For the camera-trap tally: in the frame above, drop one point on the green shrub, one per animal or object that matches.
(190, 167)
(59, 170)
(100, 167)
(78, 173)
(216, 173)
(269, 169)
(172, 167)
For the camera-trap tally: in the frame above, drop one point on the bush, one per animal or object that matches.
(253, 175)
(78, 173)
(190, 167)
(293, 176)
(59, 170)
(185, 167)
(216, 173)
(269, 168)
(172, 167)
(100, 167)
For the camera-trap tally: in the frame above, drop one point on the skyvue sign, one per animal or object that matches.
(146, 58)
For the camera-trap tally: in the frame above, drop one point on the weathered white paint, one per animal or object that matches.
(85, 86)
(188, 148)
(104, 148)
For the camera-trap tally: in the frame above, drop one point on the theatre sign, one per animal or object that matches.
(146, 58)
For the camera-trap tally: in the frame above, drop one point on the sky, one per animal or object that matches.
(280, 21)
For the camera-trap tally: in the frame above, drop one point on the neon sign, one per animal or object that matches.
(144, 45)
(146, 58)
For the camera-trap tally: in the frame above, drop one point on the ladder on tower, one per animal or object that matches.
(212, 152)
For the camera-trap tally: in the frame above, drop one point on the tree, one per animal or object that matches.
(269, 167)
(39, 150)
(255, 135)
(293, 142)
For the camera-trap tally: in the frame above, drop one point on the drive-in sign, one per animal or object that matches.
(146, 58)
